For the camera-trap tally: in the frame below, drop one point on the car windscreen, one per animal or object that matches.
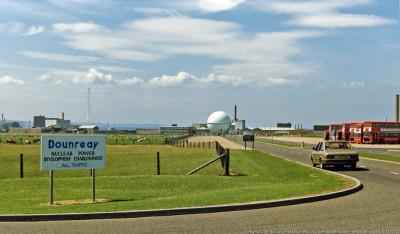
(337, 145)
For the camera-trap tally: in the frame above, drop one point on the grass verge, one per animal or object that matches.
(390, 158)
(257, 177)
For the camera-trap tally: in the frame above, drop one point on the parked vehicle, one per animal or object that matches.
(337, 153)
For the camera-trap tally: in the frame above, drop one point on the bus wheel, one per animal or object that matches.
(381, 141)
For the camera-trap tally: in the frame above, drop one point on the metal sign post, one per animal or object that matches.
(51, 187)
(93, 185)
(247, 138)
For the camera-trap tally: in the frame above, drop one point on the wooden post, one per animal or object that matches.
(227, 162)
(21, 166)
(158, 163)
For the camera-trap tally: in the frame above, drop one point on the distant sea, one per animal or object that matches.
(102, 126)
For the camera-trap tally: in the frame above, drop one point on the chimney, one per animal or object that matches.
(62, 116)
(235, 112)
(396, 109)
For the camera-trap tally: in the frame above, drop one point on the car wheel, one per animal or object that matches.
(313, 164)
(353, 166)
(323, 166)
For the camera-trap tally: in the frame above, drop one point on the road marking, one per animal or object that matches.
(363, 166)
(394, 173)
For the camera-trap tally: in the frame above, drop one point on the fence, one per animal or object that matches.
(191, 144)
(128, 161)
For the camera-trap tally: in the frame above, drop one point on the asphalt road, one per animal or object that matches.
(375, 209)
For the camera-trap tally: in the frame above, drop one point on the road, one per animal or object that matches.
(375, 209)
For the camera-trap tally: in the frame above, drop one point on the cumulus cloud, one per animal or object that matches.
(223, 79)
(184, 78)
(132, 81)
(171, 80)
(94, 77)
(8, 80)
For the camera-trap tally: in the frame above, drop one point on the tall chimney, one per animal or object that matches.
(62, 116)
(396, 109)
(235, 112)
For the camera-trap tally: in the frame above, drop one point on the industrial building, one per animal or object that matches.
(43, 122)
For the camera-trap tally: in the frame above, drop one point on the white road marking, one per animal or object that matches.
(394, 173)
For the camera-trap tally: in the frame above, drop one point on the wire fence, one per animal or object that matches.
(123, 160)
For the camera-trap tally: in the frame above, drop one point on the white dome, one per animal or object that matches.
(219, 122)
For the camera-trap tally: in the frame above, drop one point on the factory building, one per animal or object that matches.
(176, 130)
(43, 122)
(56, 121)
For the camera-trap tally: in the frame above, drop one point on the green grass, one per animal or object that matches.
(112, 139)
(257, 177)
(380, 157)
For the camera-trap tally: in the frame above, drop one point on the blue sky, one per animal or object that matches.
(170, 61)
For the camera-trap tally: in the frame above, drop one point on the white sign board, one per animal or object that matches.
(67, 152)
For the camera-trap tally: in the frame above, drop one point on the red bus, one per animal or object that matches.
(381, 132)
(356, 133)
(326, 135)
(335, 132)
(346, 131)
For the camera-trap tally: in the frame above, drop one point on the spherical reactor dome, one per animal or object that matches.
(219, 122)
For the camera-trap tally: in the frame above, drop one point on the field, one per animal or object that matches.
(121, 139)
(129, 181)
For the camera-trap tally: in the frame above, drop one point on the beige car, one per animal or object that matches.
(338, 153)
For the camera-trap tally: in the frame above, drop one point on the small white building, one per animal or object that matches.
(88, 128)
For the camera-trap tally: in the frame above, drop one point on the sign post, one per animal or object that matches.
(247, 138)
(68, 152)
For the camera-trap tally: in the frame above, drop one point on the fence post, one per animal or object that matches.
(227, 162)
(21, 166)
(158, 163)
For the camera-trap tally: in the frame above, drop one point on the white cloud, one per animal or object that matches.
(80, 27)
(340, 21)
(324, 14)
(161, 38)
(222, 79)
(353, 85)
(33, 30)
(132, 81)
(57, 57)
(44, 77)
(94, 77)
(280, 82)
(8, 80)
(218, 5)
(184, 78)
(21, 29)
(50, 79)
(165, 80)
(162, 12)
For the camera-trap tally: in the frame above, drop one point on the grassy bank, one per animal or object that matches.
(390, 158)
(257, 177)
